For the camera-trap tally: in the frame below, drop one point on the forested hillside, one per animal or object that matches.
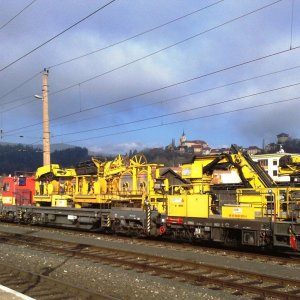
(27, 159)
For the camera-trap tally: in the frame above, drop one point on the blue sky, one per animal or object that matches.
(224, 72)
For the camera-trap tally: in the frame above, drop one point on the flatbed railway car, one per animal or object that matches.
(187, 206)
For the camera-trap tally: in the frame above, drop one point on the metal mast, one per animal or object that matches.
(46, 131)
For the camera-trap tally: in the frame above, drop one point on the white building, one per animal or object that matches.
(195, 146)
(270, 163)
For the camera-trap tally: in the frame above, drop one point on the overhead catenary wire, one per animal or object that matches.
(178, 83)
(17, 87)
(187, 120)
(18, 106)
(206, 69)
(164, 87)
(186, 95)
(133, 36)
(155, 52)
(181, 111)
(190, 94)
(166, 48)
(56, 36)
(115, 44)
(20, 12)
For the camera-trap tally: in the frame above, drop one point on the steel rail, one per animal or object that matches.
(41, 286)
(194, 272)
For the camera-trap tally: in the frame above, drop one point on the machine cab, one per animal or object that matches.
(18, 190)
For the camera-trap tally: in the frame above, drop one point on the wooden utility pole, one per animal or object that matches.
(46, 131)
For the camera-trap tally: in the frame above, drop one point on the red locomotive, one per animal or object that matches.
(18, 190)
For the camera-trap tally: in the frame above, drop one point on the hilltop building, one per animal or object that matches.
(201, 147)
(192, 146)
(282, 138)
(252, 150)
(219, 150)
(271, 148)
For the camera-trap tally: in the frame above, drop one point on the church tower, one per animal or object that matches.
(183, 139)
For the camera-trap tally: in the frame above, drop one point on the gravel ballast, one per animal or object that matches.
(118, 283)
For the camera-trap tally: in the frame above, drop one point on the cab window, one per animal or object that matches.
(22, 181)
(6, 187)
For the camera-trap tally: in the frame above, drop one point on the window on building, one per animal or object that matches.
(263, 162)
(275, 162)
(275, 173)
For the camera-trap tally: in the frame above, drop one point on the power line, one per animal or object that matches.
(181, 111)
(134, 36)
(18, 106)
(165, 48)
(17, 87)
(188, 120)
(164, 87)
(177, 83)
(4, 25)
(57, 35)
(170, 99)
(117, 43)
(160, 50)
(17, 99)
(192, 94)
(18, 135)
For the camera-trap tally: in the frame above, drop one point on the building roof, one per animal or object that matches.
(271, 155)
(253, 148)
(282, 134)
(197, 142)
(196, 146)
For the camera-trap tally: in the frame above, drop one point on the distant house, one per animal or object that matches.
(252, 150)
(282, 138)
(195, 146)
(171, 147)
(206, 150)
(219, 150)
(272, 147)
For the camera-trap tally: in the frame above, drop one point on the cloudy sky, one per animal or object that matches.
(132, 74)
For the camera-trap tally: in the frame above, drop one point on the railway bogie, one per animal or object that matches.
(227, 232)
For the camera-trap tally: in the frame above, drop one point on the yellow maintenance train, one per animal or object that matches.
(131, 196)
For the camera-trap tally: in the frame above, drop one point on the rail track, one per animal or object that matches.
(278, 258)
(39, 286)
(215, 277)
